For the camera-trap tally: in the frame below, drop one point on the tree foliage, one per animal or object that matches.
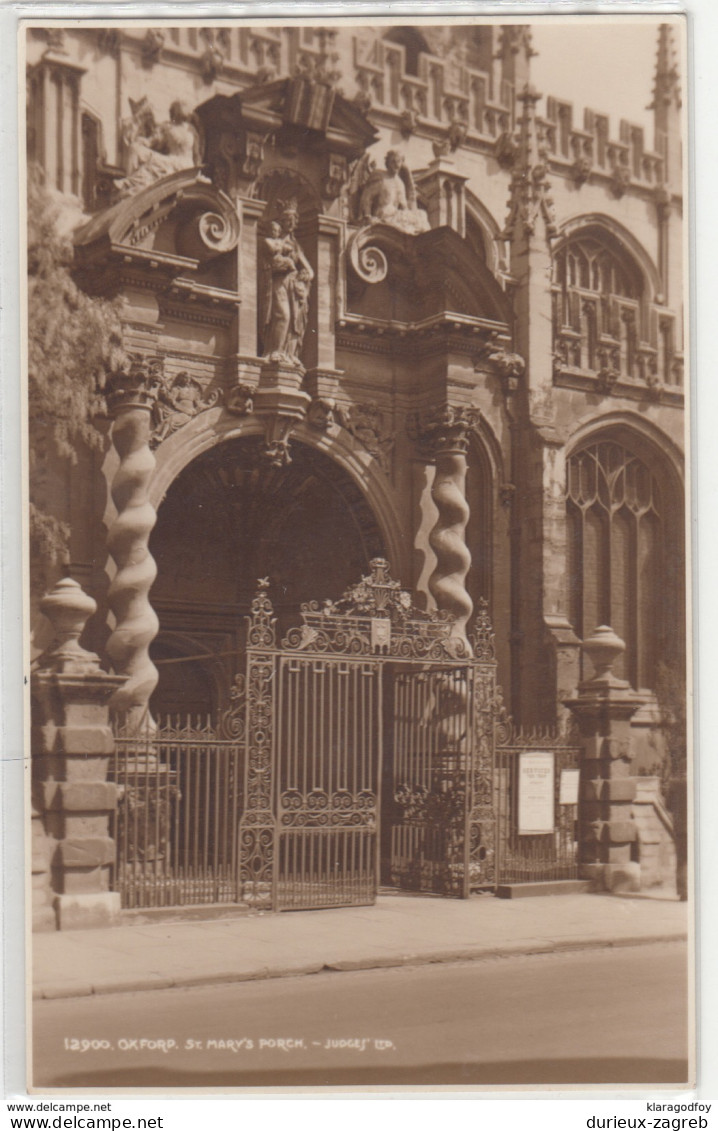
(73, 340)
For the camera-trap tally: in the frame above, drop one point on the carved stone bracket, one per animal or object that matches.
(152, 46)
(213, 58)
(620, 180)
(509, 367)
(607, 376)
(662, 198)
(109, 40)
(408, 122)
(322, 414)
(278, 432)
(581, 170)
(240, 399)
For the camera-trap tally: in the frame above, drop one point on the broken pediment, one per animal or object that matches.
(300, 121)
(407, 278)
(180, 225)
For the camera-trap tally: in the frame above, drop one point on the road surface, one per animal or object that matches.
(595, 1016)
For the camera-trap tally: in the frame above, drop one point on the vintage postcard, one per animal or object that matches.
(357, 402)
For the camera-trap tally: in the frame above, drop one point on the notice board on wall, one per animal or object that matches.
(536, 792)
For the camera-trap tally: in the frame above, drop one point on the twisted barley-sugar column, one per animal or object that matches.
(136, 623)
(447, 583)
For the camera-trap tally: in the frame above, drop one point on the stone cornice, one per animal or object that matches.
(440, 333)
(586, 381)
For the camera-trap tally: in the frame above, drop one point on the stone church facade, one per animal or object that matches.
(382, 300)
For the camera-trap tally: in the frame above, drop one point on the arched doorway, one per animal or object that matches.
(229, 518)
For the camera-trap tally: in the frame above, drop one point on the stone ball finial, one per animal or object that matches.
(603, 647)
(68, 608)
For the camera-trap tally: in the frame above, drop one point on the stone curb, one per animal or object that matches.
(50, 991)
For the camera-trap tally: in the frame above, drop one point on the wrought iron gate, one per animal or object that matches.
(317, 734)
(326, 781)
(370, 711)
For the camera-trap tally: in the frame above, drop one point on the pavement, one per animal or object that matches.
(398, 930)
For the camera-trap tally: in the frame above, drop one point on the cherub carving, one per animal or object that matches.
(389, 196)
(154, 151)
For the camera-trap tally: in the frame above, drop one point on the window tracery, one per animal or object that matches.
(601, 315)
(622, 561)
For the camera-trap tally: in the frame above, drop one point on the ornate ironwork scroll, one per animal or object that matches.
(257, 824)
(375, 617)
(482, 813)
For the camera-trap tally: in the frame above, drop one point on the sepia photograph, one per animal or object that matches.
(357, 599)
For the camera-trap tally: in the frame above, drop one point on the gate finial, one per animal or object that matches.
(261, 621)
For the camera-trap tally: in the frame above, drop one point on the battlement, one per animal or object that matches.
(591, 147)
(433, 85)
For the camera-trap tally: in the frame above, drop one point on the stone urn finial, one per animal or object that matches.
(603, 647)
(68, 608)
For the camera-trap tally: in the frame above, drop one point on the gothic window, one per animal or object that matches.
(623, 557)
(597, 308)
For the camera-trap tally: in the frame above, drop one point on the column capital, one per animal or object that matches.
(444, 430)
(135, 384)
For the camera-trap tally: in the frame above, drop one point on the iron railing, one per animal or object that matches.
(526, 858)
(179, 786)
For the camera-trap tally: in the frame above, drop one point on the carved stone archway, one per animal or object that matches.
(228, 517)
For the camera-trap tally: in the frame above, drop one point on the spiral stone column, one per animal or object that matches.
(130, 401)
(444, 436)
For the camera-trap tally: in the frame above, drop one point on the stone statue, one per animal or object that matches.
(156, 151)
(287, 278)
(390, 196)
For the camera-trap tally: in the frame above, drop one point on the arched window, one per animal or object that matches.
(624, 559)
(598, 315)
